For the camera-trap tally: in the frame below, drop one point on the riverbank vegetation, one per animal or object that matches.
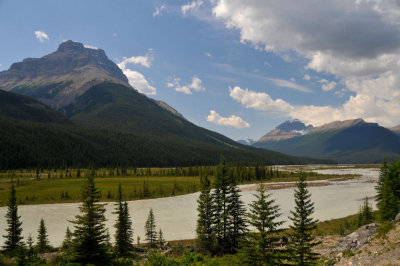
(36, 186)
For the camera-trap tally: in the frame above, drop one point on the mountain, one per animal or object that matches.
(58, 78)
(350, 141)
(396, 129)
(246, 141)
(286, 130)
(106, 121)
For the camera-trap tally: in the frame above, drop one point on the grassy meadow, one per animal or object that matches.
(39, 186)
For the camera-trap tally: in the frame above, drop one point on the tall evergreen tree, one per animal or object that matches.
(365, 215)
(389, 192)
(301, 239)
(221, 215)
(237, 213)
(379, 186)
(90, 235)
(161, 240)
(42, 239)
(123, 226)
(150, 229)
(204, 230)
(261, 248)
(67, 242)
(14, 229)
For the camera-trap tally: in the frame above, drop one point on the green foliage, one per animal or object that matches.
(13, 237)
(67, 243)
(365, 215)
(263, 247)
(123, 226)
(301, 237)
(204, 228)
(90, 236)
(42, 239)
(150, 229)
(388, 191)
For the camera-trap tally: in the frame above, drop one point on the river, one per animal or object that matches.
(176, 216)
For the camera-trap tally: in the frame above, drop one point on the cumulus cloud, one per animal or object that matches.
(232, 121)
(192, 6)
(289, 84)
(136, 79)
(196, 85)
(41, 36)
(306, 77)
(358, 42)
(159, 11)
(329, 86)
(258, 100)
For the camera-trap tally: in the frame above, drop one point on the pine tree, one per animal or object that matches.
(389, 192)
(365, 214)
(262, 245)
(379, 186)
(221, 215)
(67, 242)
(123, 226)
(204, 230)
(150, 229)
(42, 239)
(301, 239)
(90, 235)
(161, 240)
(237, 213)
(14, 229)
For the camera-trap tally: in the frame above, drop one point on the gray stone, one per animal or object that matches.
(357, 239)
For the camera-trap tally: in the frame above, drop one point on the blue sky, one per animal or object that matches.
(236, 67)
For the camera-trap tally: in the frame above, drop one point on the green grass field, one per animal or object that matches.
(58, 186)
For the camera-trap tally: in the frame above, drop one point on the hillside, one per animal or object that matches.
(351, 141)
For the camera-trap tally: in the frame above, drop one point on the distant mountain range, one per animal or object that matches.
(96, 117)
(350, 141)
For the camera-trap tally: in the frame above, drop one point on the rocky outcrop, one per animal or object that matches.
(357, 239)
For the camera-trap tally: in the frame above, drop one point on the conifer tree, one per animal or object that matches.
(301, 239)
(365, 215)
(237, 213)
(204, 229)
(220, 207)
(161, 240)
(90, 235)
(150, 229)
(379, 186)
(262, 245)
(14, 229)
(67, 242)
(42, 239)
(123, 226)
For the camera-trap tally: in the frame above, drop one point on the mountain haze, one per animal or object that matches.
(350, 141)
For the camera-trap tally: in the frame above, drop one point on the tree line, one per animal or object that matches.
(222, 227)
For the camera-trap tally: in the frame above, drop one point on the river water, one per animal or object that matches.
(176, 216)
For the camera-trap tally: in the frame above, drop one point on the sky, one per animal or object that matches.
(236, 67)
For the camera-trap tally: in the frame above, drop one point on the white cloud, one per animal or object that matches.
(232, 121)
(208, 54)
(196, 85)
(289, 84)
(159, 11)
(258, 100)
(329, 86)
(306, 77)
(41, 36)
(193, 6)
(91, 47)
(357, 42)
(136, 79)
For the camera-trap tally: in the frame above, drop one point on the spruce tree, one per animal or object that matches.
(389, 192)
(261, 248)
(67, 242)
(90, 234)
(301, 239)
(161, 240)
(237, 213)
(221, 215)
(365, 215)
(204, 230)
(379, 186)
(14, 229)
(123, 226)
(42, 239)
(150, 229)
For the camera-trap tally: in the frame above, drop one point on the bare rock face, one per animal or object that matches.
(58, 78)
(357, 239)
(286, 130)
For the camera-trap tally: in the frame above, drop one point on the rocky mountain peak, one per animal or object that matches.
(70, 46)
